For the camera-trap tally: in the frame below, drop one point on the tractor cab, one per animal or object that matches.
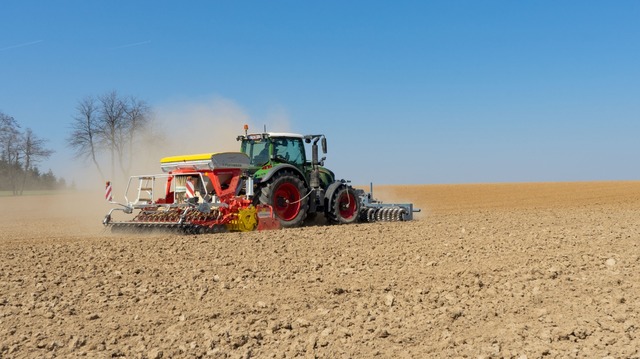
(274, 148)
(272, 152)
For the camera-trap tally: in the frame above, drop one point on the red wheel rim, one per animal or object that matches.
(286, 201)
(347, 205)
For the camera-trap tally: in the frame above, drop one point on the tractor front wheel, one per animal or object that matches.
(286, 194)
(344, 206)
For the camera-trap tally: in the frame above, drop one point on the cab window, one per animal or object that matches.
(290, 150)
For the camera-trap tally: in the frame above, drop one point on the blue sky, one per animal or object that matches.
(407, 92)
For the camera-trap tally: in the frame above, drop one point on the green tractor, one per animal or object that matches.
(295, 186)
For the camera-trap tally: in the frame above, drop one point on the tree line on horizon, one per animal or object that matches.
(20, 153)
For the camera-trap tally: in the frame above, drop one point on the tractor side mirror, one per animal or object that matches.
(324, 145)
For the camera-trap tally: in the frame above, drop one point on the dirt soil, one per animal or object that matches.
(484, 271)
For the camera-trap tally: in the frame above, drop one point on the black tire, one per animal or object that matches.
(286, 192)
(344, 206)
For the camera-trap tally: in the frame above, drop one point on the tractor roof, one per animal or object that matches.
(280, 134)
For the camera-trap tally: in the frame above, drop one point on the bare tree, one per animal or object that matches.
(33, 151)
(9, 137)
(84, 137)
(112, 124)
(136, 120)
(10, 148)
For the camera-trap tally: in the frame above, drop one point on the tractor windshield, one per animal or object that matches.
(283, 150)
(257, 150)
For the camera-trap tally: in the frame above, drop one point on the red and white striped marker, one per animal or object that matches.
(107, 193)
(190, 190)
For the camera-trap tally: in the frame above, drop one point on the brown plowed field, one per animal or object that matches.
(484, 271)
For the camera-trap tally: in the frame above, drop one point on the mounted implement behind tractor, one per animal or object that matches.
(269, 184)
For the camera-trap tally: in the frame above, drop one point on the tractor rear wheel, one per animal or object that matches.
(344, 206)
(286, 193)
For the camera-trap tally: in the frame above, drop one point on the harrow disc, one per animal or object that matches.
(387, 213)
